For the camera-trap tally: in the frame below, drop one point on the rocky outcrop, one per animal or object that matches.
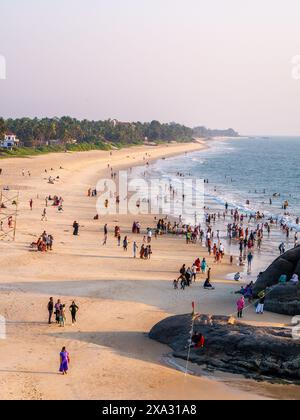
(282, 299)
(257, 352)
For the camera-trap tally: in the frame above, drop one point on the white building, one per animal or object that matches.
(10, 141)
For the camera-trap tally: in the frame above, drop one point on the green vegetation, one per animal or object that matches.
(40, 132)
(46, 135)
(40, 150)
(206, 132)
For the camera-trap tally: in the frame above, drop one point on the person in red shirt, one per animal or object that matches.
(198, 341)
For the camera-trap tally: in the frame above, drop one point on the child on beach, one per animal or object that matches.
(240, 307)
(62, 316)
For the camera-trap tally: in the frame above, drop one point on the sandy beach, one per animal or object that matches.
(120, 298)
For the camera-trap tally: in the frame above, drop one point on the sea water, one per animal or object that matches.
(246, 173)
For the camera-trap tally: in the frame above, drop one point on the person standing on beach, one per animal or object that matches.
(58, 307)
(203, 266)
(31, 204)
(76, 228)
(62, 317)
(50, 310)
(135, 248)
(194, 271)
(64, 361)
(250, 259)
(74, 309)
(125, 244)
(105, 234)
(240, 307)
(261, 304)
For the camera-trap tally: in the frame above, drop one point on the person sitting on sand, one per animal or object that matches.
(208, 285)
(175, 284)
(198, 341)
(237, 276)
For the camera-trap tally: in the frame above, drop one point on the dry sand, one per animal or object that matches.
(120, 298)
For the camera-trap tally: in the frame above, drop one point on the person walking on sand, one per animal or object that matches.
(44, 216)
(125, 244)
(31, 204)
(240, 307)
(250, 259)
(50, 310)
(64, 361)
(74, 309)
(105, 230)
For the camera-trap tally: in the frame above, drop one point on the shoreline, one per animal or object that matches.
(120, 299)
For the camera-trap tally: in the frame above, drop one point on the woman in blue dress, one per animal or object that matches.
(64, 361)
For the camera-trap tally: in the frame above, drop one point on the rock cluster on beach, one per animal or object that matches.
(281, 298)
(256, 352)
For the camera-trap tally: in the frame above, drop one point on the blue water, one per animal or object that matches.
(246, 169)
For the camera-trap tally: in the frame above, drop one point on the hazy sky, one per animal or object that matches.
(219, 63)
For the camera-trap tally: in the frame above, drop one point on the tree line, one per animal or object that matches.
(39, 132)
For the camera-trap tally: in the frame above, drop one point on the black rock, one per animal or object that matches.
(282, 299)
(256, 352)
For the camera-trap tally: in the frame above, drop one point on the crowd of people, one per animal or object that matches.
(44, 243)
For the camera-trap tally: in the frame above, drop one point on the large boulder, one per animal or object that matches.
(284, 299)
(257, 352)
(271, 276)
(287, 263)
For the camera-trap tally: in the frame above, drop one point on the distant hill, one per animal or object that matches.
(207, 132)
